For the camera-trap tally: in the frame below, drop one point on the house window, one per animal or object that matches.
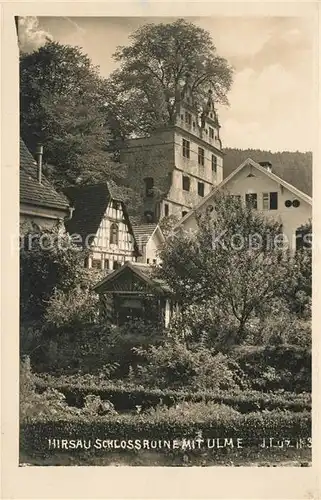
(270, 201)
(188, 118)
(116, 264)
(211, 130)
(166, 209)
(251, 200)
(266, 201)
(186, 148)
(113, 236)
(96, 264)
(186, 183)
(184, 213)
(149, 187)
(201, 156)
(147, 261)
(200, 188)
(214, 164)
(154, 261)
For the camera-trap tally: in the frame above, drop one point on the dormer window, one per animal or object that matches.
(188, 118)
(113, 236)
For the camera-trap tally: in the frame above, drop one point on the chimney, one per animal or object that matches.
(266, 164)
(39, 153)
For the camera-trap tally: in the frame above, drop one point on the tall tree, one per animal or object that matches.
(145, 91)
(232, 264)
(62, 105)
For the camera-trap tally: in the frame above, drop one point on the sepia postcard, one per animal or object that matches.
(160, 289)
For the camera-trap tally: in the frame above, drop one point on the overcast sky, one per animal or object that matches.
(271, 101)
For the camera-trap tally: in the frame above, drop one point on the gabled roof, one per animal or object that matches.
(90, 203)
(249, 161)
(31, 191)
(143, 271)
(143, 232)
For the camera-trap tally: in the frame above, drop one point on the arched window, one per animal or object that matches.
(113, 236)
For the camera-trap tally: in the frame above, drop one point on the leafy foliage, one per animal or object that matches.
(173, 365)
(52, 403)
(126, 395)
(49, 261)
(72, 309)
(230, 265)
(144, 92)
(62, 105)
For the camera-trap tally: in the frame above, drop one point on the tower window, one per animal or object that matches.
(188, 118)
(166, 209)
(211, 132)
(214, 164)
(251, 200)
(149, 187)
(186, 148)
(113, 237)
(186, 183)
(201, 156)
(200, 188)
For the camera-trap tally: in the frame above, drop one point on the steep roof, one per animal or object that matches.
(31, 191)
(293, 167)
(143, 271)
(249, 161)
(143, 232)
(90, 203)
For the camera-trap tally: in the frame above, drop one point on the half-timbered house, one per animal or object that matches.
(101, 224)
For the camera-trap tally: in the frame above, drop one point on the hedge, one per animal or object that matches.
(126, 397)
(251, 428)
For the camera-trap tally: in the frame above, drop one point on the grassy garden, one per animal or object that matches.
(227, 383)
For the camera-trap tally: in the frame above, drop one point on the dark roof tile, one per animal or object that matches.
(31, 191)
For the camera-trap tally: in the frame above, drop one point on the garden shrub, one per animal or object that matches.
(51, 402)
(271, 368)
(174, 365)
(92, 347)
(167, 425)
(72, 309)
(127, 396)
